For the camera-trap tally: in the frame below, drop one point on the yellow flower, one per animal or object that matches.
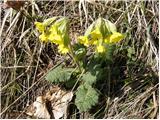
(55, 38)
(44, 37)
(63, 49)
(93, 42)
(113, 38)
(53, 29)
(95, 36)
(83, 40)
(100, 48)
(39, 26)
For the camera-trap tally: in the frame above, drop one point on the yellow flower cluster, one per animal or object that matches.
(53, 35)
(96, 38)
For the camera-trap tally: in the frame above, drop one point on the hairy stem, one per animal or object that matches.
(74, 58)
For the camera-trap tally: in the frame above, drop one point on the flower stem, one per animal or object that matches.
(74, 58)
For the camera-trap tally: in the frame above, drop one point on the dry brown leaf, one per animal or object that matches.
(38, 109)
(60, 106)
(41, 110)
(59, 100)
(30, 110)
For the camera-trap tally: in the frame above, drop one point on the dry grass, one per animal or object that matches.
(133, 89)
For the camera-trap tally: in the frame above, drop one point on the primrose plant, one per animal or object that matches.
(89, 53)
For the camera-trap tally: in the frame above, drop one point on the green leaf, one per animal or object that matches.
(73, 80)
(89, 78)
(86, 97)
(94, 72)
(59, 74)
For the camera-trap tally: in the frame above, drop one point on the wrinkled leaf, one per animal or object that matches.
(89, 78)
(86, 97)
(59, 74)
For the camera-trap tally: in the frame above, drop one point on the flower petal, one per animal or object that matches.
(63, 49)
(100, 49)
(83, 40)
(40, 27)
(55, 38)
(113, 38)
(44, 37)
(96, 34)
(53, 29)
